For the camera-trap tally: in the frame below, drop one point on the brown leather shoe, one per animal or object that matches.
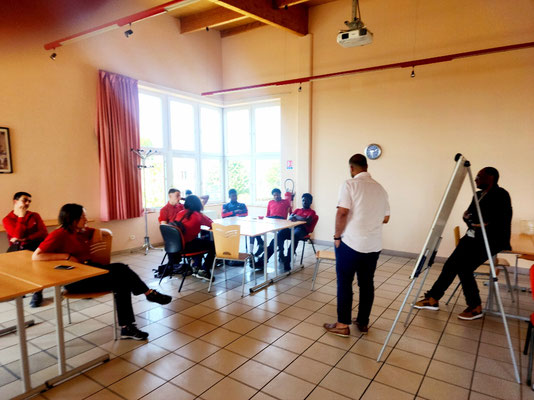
(332, 328)
(362, 328)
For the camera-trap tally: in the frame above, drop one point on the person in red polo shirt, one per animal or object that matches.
(25, 231)
(169, 211)
(189, 222)
(301, 214)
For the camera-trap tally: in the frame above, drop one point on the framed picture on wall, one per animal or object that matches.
(5, 152)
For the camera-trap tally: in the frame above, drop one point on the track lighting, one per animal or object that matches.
(53, 56)
(413, 73)
(128, 33)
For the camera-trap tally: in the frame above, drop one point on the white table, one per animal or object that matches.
(253, 227)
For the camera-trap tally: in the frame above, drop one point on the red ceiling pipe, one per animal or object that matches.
(404, 64)
(130, 19)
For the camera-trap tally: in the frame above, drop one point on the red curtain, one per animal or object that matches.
(117, 128)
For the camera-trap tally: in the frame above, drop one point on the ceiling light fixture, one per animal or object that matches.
(129, 32)
(53, 56)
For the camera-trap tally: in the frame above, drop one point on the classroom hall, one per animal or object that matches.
(271, 344)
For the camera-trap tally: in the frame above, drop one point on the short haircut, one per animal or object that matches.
(18, 195)
(276, 190)
(231, 192)
(308, 196)
(188, 192)
(69, 215)
(173, 190)
(358, 160)
(492, 172)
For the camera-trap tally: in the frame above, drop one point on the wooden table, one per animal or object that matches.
(41, 275)
(253, 227)
(13, 288)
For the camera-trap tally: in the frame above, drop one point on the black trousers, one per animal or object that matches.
(350, 262)
(466, 257)
(282, 236)
(204, 245)
(122, 281)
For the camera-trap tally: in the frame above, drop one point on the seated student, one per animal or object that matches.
(233, 208)
(204, 199)
(301, 214)
(189, 222)
(277, 208)
(72, 241)
(25, 231)
(168, 211)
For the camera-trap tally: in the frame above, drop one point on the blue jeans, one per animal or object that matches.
(348, 263)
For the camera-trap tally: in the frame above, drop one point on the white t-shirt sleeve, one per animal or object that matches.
(345, 199)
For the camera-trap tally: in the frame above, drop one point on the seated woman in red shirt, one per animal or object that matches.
(71, 241)
(189, 222)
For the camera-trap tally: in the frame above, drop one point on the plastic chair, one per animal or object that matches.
(529, 341)
(226, 240)
(174, 250)
(320, 256)
(308, 239)
(101, 254)
(485, 269)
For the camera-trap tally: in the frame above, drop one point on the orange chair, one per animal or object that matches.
(529, 341)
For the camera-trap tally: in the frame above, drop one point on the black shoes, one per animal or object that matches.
(131, 332)
(157, 297)
(37, 299)
(204, 274)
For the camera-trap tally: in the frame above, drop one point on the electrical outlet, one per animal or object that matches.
(132, 237)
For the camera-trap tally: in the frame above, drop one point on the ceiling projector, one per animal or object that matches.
(357, 34)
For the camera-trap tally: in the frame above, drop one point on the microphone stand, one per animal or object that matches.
(143, 155)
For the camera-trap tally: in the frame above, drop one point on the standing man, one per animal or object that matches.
(25, 231)
(496, 208)
(169, 211)
(233, 208)
(362, 209)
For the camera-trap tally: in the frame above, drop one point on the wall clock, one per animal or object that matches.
(373, 151)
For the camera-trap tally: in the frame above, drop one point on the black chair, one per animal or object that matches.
(174, 252)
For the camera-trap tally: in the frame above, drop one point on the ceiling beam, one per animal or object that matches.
(294, 19)
(241, 28)
(210, 18)
(288, 3)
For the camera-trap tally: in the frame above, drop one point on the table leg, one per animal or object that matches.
(265, 256)
(292, 248)
(24, 368)
(59, 331)
(275, 255)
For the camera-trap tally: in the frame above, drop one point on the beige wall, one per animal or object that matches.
(50, 106)
(481, 107)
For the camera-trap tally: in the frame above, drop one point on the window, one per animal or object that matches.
(253, 137)
(196, 150)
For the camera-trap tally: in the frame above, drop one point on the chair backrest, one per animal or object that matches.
(226, 240)
(456, 235)
(173, 238)
(101, 251)
(532, 280)
(313, 223)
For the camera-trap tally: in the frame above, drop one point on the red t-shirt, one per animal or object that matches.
(30, 227)
(62, 241)
(301, 212)
(280, 208)
(168, 212)
(192, 224)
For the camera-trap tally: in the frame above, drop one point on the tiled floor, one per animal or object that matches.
(272, 345)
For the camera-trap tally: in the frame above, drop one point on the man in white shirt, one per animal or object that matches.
(362, 209)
